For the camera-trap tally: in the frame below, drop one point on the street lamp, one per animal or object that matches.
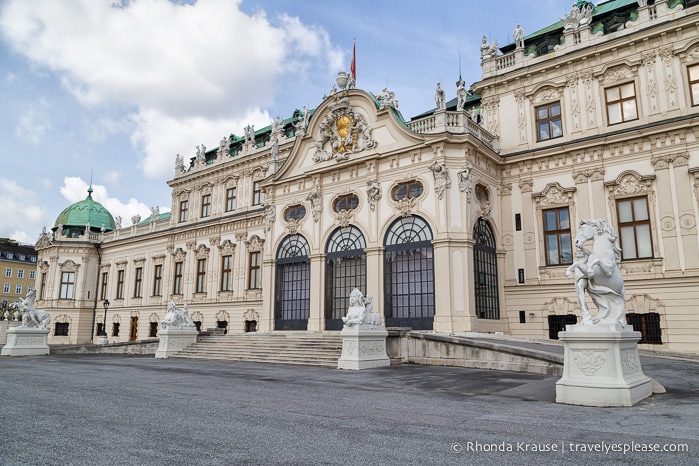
(103, 335)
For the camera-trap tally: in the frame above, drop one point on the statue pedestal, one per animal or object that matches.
(26, 341)
(174, 339)
(363, 347)
(601, 367)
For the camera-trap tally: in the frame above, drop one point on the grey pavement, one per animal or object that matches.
(133, 410)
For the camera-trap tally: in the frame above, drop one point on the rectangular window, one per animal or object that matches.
(226, 272)
(184, 208)
(32, 274)
(231, 199)
(153, 330)
(18, 289)
(30, 288)
(177, 282)
(254, 271)
(621, 103)
(20, 273)
(115, 329)
(206, 205)
(120, 285)
(8, 272)
(693, 72)
(557, 239)
(6, 288)
(258, 196)
(201, 276)
(138, 282)
(157, 280)
(634, 228)
(103, 289)
(548, 121)
(67, 285)
(61, 329)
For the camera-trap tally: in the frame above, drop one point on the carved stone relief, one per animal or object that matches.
(343, 131)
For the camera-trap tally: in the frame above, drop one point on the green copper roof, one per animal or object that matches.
(83, 212)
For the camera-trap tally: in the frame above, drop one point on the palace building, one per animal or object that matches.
(461, 219)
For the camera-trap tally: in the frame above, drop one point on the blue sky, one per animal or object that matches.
(115, 90)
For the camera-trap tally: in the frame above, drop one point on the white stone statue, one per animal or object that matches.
(316, 200)
(224, 147)
(274, 150)
(201, 152)
(249, 134)
(32, 317)
(439, 97)
(597, 272)
(466, 179)
(442, 178)
(135, 219)
(580, 15)
(179, 162)
(387, 99)
(154, 213)
(518, 35)
(461, 94)
(176, 316)
(277, 125)
(270, 214)
(301, 126)
(356, 313)
(117, 221)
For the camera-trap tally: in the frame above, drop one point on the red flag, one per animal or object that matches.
(353, 65)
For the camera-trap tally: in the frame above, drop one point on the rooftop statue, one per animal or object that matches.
(579, 15)
(597, 272)
(518, 35)
(387, 99)
(249, 134)
(31, 317)
(489, 51)
(439, 97)
(461, 94)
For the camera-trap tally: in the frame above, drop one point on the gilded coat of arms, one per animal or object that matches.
(342, 132)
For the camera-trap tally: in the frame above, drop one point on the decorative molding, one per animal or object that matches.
(346, 132)
(554, 195)
(593, 174)
(254, 244)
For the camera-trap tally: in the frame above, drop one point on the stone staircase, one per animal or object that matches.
(320, 349)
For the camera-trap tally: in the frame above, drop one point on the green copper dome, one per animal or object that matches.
(78, 215)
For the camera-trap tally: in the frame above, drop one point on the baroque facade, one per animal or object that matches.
(459, 220)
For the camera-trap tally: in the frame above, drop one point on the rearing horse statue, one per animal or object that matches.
(597, 272)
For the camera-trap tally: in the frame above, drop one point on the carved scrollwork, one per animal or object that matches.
(342, 132)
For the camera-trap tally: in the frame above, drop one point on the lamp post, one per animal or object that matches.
(103, 335)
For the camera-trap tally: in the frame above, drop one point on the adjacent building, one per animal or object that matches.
(459, 220)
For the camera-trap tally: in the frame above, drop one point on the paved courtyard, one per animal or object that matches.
(128, 410)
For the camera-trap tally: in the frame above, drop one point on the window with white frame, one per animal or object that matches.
(621, 103)
(8, 272)
(693, 72)
(634, 228)
(6, 288)
(20, 273)
(67, 285)
(557, 239)
(32, 274)
(206, 205)
(18, 289)
(548, 121)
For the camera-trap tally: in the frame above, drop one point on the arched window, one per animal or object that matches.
(345, 269)
(292, 291)
(409, 274)
(485, 271)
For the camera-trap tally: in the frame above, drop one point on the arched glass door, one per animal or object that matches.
(292, 291)
(409, 274)
(345, 269)
(485, 271)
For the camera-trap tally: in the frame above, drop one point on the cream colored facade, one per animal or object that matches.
(497, 175)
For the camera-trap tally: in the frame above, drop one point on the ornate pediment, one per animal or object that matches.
(343, 131)
(554, 195)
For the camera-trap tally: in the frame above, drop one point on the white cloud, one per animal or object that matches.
(34, 122)
(20, 206)
(201, 65)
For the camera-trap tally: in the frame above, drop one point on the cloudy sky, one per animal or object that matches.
(112, 90)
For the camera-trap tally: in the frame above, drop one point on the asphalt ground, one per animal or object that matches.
(138, 410)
